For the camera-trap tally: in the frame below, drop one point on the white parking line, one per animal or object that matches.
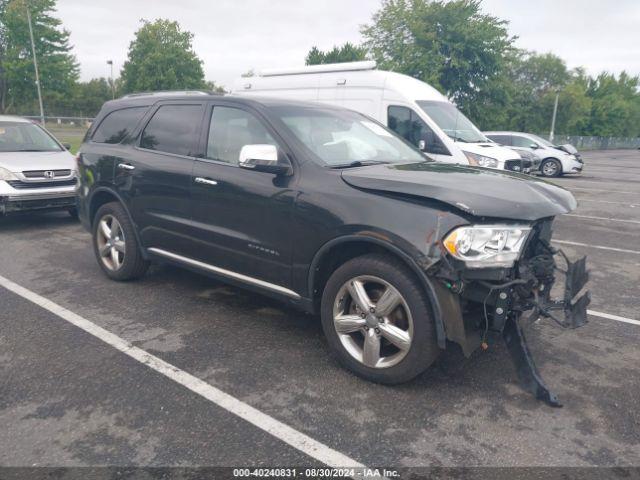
(601, 218)
(617, 318)
(569, 187)
(589, 181)
(631, 205)
(281, 431)
(599, 247)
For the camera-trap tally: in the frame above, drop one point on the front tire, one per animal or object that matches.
(551, 167)
(116, 245)
(378, 320)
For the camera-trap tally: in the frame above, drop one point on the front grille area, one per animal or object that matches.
(20, 185)
(40, 173)
(517, 165)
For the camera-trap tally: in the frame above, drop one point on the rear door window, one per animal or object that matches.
(519, 141)
(501, 139)
(173, 129)
(117, 125)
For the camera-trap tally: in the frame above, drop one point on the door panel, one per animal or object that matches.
(241, 218)
(156, 177)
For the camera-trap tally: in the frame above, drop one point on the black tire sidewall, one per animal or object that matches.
(424, 348)
(133, 264)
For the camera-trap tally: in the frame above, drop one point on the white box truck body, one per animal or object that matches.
(411, 108)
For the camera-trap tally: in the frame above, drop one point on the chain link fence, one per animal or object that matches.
(595, 143)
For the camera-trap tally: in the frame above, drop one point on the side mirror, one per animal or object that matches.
(262, 158)
(67, 146)
(534, 146)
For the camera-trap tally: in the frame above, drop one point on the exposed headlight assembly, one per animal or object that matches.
(481, 161)
(487, 246)
(6, 174)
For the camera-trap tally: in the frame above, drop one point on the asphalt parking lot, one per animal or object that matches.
(67, 398)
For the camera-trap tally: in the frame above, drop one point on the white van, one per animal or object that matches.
(412, 108)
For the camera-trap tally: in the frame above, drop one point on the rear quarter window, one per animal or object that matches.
(117, 125)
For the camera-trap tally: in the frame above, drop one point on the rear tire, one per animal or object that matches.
(115, 244)
(551, 167)
(404, 335)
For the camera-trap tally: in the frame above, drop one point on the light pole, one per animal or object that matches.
(553, 119)
(35, 64)
(113, 90)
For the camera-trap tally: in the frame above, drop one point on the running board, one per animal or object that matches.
(225, 273)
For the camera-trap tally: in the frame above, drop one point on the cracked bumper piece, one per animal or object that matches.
(481, 308)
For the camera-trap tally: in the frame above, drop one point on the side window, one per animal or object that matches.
(173, 129)
(117, 125)
(230, 130)
(406, 123)
(501, 139)
(522, 141)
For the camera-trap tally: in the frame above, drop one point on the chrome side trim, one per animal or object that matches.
(226, 273)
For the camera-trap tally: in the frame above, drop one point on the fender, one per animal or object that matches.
(111, 191)
(426, 282)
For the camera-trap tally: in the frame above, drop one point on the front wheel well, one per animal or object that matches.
(337, 255)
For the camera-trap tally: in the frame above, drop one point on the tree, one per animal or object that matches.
(615, 109)
(161, 57)
(451, 45)
(58, 67)
(346, 53)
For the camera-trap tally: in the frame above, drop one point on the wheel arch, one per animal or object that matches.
(340, 250)
(103, 195)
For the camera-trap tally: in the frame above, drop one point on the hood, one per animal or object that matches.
(568, 148)
(20, 161)
(489, 149)
(479, 191)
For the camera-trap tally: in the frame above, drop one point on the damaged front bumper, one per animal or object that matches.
(482, 307)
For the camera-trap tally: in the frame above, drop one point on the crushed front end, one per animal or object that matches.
(494, 293)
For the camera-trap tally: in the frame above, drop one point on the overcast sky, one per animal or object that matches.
(232, 36)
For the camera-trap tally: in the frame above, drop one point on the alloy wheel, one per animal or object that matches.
(550, 168)
(111, 242)
(373, 321)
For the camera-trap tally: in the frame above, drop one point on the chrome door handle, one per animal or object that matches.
(205, 181)
(126, 166)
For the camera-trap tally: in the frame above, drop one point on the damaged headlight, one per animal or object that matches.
(486, 246)
(481, 160)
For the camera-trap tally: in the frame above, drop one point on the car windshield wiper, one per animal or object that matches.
(360, 163)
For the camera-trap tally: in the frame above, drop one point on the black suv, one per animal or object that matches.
(334, 213)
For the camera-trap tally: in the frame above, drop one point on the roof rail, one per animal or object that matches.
(325, 68)
(168, 93)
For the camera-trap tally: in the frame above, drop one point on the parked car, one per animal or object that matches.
(411, 108)
(36, 171)
(332, 212)
(554, 160)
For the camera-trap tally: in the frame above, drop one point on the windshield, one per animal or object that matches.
(541, 140)
(25, 137)
(341, 138)
(452, 121)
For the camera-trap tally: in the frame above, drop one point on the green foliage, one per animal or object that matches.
(451, 45)
(161, 57)
(346, 53)
(615, 109)
(58, 67)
